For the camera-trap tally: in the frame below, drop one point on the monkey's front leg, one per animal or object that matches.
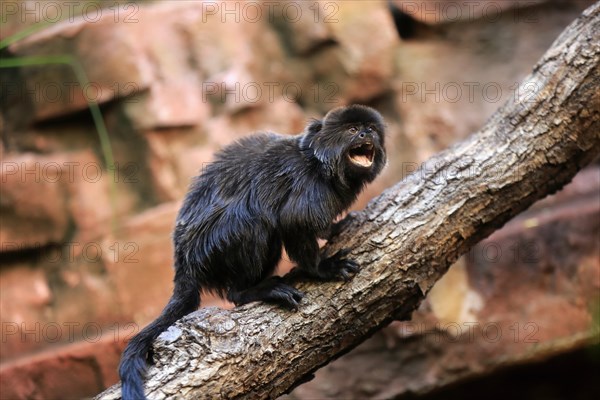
(304, 250)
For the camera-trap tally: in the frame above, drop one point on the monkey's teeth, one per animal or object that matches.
(362, 155)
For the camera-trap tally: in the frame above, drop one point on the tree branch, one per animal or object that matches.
(404, 240)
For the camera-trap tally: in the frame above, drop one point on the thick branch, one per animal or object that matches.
(405, 239)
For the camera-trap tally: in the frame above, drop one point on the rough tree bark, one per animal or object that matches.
(405, 239)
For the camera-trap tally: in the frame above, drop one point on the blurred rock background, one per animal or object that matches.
(85, 246)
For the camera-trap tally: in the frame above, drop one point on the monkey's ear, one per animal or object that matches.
(313, 127)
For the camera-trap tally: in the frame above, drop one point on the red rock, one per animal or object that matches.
(139, 261)
(108, 50)
(75, 371)
(303, 26)
(161, 164)
(191, 163)
(174, 156)
(19, 15)
(174, 101)
(440, 105)
(57, 297)
(360, 68)
(120, 59)
(240, 60)
(59, 137)
(89, 195)
(174, 97)
(225, 129)
(25, 298)
(76, 190)
(28, 219)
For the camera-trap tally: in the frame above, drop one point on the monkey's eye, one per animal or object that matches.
(370, 129)
(353, 129)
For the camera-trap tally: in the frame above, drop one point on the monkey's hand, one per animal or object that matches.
(337, 267)
(334, 268)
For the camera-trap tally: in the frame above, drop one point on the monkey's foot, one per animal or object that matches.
(272, 290)
(337, 267)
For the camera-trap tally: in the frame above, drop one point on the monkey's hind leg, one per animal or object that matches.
(272, 290)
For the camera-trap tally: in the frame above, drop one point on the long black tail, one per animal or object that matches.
(185, 299)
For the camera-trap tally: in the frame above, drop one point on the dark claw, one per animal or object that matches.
(344, 275)
(352, 266)
(347, 268)
(286, 296)
(337, 267)
(298, 295)
(341, 254)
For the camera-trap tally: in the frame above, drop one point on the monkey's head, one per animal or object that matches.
(349, 143)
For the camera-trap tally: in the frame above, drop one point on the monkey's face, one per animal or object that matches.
(361, 151)
(350, 143)
(364, 154)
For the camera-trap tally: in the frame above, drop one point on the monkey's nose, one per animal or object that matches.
(365, 134)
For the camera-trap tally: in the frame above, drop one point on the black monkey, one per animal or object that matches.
(262, 192)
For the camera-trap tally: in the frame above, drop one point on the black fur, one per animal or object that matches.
(260, 193)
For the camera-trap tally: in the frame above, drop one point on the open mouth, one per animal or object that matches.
(362, 155)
